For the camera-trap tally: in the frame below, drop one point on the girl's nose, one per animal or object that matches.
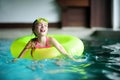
(42, 26)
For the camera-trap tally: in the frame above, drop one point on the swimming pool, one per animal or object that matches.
(102, 63)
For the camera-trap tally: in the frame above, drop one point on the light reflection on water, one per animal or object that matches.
(102, 63)
(106, 55)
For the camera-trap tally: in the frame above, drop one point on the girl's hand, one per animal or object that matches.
(76, 60)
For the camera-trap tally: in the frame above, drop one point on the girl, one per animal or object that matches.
(40, 29)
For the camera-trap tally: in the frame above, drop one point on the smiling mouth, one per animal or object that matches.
(42, 30)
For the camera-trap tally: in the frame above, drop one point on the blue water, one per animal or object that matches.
(102, 62)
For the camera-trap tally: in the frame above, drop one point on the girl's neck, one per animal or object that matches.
(41, 38)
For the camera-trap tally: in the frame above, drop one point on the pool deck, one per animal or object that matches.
(80, 32)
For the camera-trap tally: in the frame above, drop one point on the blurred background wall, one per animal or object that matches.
(26, 11)
(97, 13)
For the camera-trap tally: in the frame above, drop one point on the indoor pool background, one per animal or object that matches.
(102, 62)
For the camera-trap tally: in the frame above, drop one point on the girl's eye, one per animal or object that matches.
(46, 25)
(39, 25)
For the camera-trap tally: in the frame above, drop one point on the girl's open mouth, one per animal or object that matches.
(42, 30)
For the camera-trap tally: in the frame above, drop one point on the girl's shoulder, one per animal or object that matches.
(50, 38)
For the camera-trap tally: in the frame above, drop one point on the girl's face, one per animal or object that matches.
(41, 28)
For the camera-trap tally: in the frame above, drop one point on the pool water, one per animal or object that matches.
(102, 62)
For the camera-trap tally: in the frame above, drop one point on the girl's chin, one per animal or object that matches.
(43, 34)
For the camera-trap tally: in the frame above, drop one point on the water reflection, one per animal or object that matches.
(106, 56)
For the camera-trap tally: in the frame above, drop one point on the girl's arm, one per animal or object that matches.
(28, 45)
(61, 49)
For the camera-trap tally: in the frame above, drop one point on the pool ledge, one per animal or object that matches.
(111, 34)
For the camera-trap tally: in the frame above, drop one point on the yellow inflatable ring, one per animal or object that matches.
(73, 46)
